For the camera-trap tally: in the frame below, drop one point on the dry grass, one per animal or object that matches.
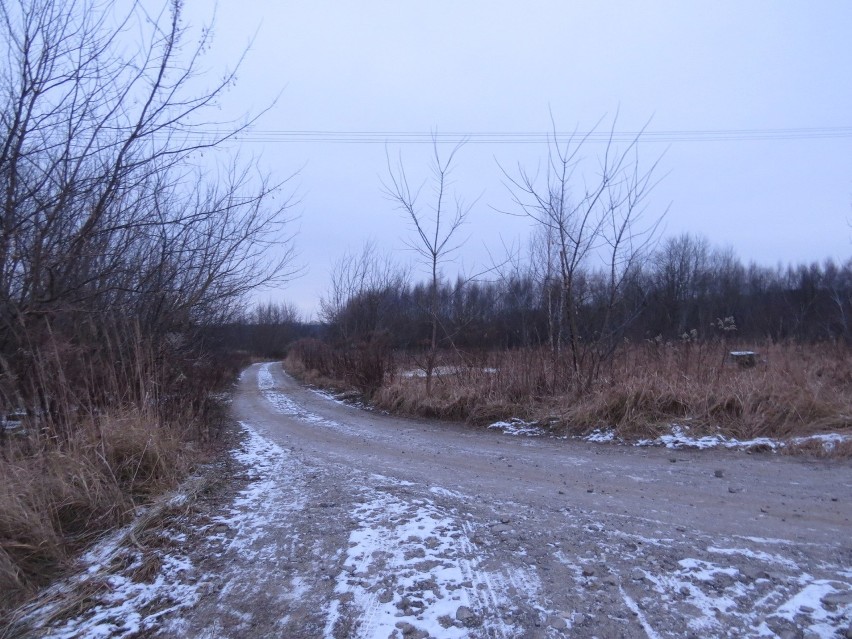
(794, 390)
(296, 367)
(76, 471)
(57, 497)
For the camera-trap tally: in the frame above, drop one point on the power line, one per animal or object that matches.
(266, 136)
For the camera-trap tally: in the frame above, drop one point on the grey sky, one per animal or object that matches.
(477, 66)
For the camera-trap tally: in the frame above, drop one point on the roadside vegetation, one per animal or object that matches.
(126, 234)
(596, 324)
(498, 360)
(132, 234)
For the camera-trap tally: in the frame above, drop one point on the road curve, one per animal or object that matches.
(377, 526)
(764, 495)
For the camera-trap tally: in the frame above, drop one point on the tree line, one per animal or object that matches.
(685, 290)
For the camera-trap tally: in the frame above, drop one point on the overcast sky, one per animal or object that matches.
(770, 68)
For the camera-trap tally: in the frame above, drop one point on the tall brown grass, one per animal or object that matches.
(55, 498)
(97, 439)
(793, 390)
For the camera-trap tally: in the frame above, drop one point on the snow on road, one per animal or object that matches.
(304, 547)
(411, 567)
(285, 405)
(679, 437)
(121, 589)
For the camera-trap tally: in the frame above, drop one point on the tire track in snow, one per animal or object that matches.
(411, 568)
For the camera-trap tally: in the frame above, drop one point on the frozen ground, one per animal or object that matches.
(678, 437)
(331, 522)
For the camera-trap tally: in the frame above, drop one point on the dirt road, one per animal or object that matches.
(377, 526)
(349, 523)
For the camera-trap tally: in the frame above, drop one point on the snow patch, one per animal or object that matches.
(828, 440)
(286, 405)
(517, 426)
(445, 492)
(438, 371)
(343, 399)
(822, 606)
(258, 508)
(698, 583)
(680, 438)
(600, 436)
(634, 608)
(442, 371)
(756, 554)
(391, 481)
(129, 598)
(410, 564)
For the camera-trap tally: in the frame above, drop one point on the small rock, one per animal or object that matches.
(753, 573)
(588, 571)
(735, 489)
(467, 617)
(684, 590)
(719, 473)
(673, 460)
(843, 598)
(784, 628)
(445, 621)
(590, 490)
(463, 613)
(557, 623)
(806, 609)
(637, 574)
(411, 632)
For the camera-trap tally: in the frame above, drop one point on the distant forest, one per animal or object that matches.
(685, 290)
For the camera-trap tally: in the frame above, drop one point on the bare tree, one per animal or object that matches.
(108, 210)
(594, 219)
(356, 303)
(436, 224)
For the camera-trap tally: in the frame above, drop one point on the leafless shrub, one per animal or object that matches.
(117, 244)
(795, 391)
(587, 217)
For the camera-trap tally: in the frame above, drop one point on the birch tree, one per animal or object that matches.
(595, 213)
(435, 219)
